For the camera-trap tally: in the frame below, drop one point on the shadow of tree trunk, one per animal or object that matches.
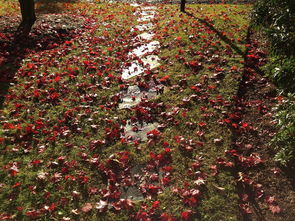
(228, 41)
(15, 54)
(14, 48)
(241, 188)
(219, 34)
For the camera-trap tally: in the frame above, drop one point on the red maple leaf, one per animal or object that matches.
(185, 215)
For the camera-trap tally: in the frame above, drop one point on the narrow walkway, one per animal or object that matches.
(143, 60)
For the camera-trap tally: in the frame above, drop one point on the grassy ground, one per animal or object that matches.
(7, 7)
(61, 151)
(190, 40)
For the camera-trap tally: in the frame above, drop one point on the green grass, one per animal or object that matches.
(214, 204)
(218, 199)
(8, 7)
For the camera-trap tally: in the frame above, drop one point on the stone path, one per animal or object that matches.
(144, 59)
(143, 55)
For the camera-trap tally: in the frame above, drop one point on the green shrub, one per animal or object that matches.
(285, 138)
(277, 19)
(281, 70)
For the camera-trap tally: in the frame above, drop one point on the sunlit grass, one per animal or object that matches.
(181, 38)
(8, 7)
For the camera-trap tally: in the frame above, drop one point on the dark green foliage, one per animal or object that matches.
(281, 69)
(285, 138)
(277, 19)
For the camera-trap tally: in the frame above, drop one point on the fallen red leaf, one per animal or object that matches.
(86, 208)
(274, 209)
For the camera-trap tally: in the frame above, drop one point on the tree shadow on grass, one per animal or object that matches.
(249, 63)
(229, 41)
(14, 52)
(46, 34)
(219, 34)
